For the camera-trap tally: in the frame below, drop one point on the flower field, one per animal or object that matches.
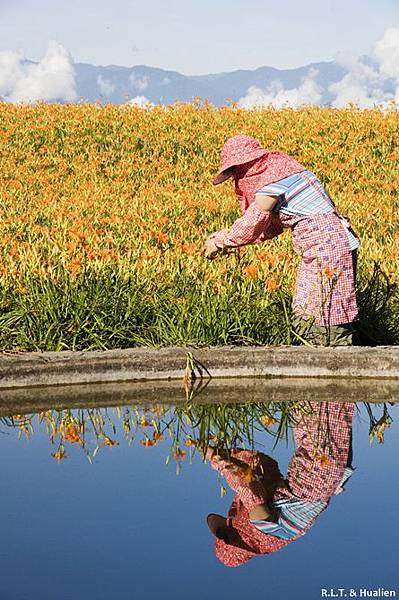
(104, 209)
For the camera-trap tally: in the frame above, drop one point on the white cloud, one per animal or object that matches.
(386, 51)
(105, 86)
(362, 86)
(367, 82)
(140, 101)
(10, 71)
(139, 83)
(367, 85)
(309, 92)
(53, 78)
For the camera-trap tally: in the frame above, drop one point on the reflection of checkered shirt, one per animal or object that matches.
(310, 483)
(296, 516)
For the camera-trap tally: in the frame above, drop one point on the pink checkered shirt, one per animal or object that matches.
(325, 286)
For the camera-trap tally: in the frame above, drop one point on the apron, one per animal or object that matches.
(325, 285)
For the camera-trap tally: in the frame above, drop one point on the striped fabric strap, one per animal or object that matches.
(296, 515)
(303, 194)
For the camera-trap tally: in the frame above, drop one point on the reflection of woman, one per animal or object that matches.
(269, 512)
(276, 192)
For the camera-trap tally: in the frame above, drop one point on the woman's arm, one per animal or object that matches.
(238, 470)
(265, 203)
(257, 224)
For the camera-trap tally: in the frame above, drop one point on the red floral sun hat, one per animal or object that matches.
(238, 150)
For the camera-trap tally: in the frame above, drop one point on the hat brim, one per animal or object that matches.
(224, 174)
(215, 521)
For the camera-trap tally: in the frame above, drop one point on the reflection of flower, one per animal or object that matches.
(329, 273)
(248, 475)
(72, 436)
(109, 442)
(19, 418)
(268, 421)
(323, 459)
(194, 427)
(190, 442)
(147, 443)
(179, 454)
(59, 455)
(377, 429)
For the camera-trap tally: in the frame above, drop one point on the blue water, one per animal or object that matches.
(128, 527)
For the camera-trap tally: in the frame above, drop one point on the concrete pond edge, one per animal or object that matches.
(187, 363)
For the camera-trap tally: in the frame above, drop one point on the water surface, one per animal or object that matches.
(118, 522)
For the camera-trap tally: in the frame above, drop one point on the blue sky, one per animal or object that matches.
(197, 37)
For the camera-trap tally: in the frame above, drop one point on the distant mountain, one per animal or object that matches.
(235, 85)
(322, 83)
(118, 84)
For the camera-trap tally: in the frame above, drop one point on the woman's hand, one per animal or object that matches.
(221, 453)
(210, 453)
(210, 248)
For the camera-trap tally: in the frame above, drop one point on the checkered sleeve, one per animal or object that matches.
(253, 227)
(240, 477)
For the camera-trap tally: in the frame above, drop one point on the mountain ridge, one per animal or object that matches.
(114, 83)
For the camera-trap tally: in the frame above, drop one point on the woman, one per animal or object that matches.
(276, 192)
(269, 512)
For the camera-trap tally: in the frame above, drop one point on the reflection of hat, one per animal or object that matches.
(238, 150)
(251, 542)
(231, 556)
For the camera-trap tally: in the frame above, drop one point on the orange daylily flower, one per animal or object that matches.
(251, 271)
(189, 248)
(272, 285)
